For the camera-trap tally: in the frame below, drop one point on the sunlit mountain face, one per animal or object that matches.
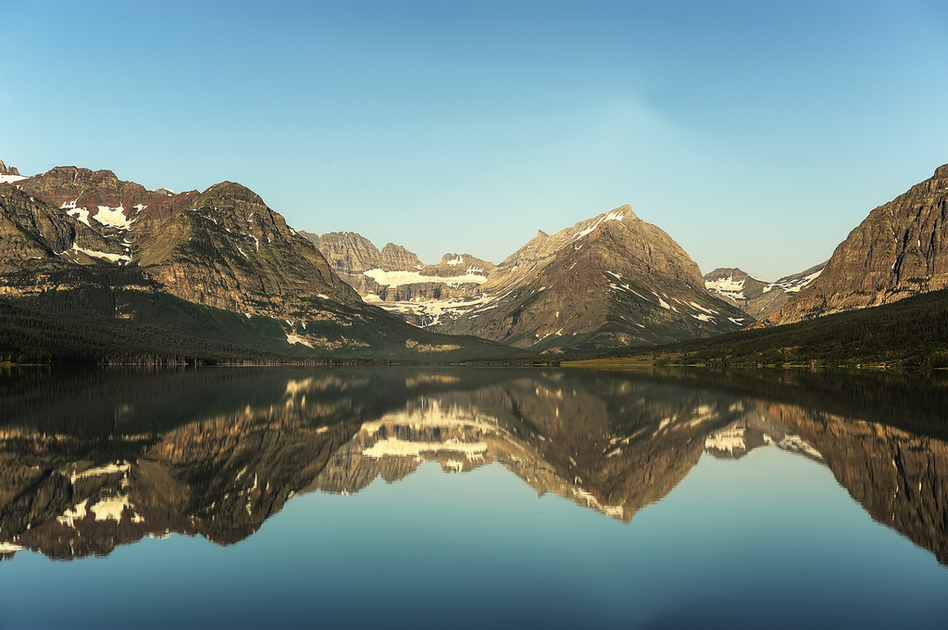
(216, 453)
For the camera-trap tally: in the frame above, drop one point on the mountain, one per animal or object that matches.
(9, 174)
(754, 296)
(351, 255)
(613, 280)
(73, 231)
(396, 279)
(899, 250)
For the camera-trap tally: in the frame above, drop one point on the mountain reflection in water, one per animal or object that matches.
(89, 461)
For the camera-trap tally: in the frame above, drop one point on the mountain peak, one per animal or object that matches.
(758, 298)
(81, 177)
(233, 190)
(7, 170)
(626, 210)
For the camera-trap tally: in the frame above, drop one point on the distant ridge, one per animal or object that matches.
(610, 281)
(754, 296)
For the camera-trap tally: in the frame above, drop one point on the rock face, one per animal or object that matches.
(610, 281)
(222, 248)
(899, 250)
(754, 296)
(395, 275)
(351, 255)
(231, 251)
(9, 174)
(40, 240)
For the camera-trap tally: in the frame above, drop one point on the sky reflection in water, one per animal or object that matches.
(767, 539)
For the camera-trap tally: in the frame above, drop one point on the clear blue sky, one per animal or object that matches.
(757, 133)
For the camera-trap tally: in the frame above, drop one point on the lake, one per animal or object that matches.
(472, 497)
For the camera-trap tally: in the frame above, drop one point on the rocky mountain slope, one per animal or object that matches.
(71, 229)
(613, 280)
(899, 250)
(610, 281)
(394, 276)
(9, 174)
(754, 296)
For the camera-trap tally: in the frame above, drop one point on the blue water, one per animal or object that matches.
(769, 540)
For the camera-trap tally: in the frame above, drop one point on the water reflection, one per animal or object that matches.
(89, 461)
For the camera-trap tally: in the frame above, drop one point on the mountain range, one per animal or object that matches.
(81, 243)
(612, 280)
(114, 271)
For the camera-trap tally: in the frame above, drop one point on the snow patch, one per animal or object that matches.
(109, 469)
(796, 444)
(612, 511)
(395, 447)
(398, 278)
(726, 440)
(729, 287)
(615, 215)
(113, 217)
(112, 258)
(794, 285)
(293, 339)
(455, 261)
(110, 509)
(69, 517)
(80, 214)
(9, 179)
(701, 308)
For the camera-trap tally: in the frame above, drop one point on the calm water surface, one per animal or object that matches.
(471, 498)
